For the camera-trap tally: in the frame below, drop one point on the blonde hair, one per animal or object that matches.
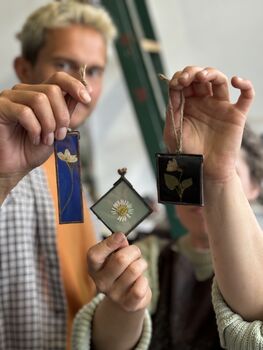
(62, 14)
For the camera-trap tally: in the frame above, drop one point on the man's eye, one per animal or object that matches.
(94, 72)
(63, 66)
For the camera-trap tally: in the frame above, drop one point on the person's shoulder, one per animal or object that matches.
(152, 244)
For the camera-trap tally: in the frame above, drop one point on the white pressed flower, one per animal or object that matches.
(67, 156)
(123, 209)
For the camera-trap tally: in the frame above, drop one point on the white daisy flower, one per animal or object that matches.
(123, 209)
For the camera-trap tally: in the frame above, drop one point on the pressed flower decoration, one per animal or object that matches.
(179, 175)
(68, 179)
(179, 178)
(175, 182)
(121, 208)
(67, 157)
(68, 170)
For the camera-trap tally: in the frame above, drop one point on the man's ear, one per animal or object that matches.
(23, 69)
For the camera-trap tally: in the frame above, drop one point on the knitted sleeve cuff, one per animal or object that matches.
(234, 332)
(81, 333)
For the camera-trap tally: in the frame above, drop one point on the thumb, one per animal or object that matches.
(101, 251)
(247, 93)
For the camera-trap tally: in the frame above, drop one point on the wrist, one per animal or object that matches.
(127, 326)
(214, 189)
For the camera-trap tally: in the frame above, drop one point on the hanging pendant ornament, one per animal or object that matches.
(121, 209)
(69, 188)
(179, 175)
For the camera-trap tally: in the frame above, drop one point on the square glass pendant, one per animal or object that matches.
(121, 209)
(180, 179)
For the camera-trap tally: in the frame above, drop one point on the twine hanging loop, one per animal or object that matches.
(178, 132)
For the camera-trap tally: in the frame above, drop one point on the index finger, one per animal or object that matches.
(70, 85)
(219, 82)
(101, 251)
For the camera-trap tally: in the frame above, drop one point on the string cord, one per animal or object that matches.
(82, 73)
(178, 132)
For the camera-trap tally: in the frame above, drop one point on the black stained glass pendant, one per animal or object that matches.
(180, 178)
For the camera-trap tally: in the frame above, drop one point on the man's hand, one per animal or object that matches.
(31, 117)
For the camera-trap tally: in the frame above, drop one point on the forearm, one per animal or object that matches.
(7, 183)
(236, 242)
(114, 328)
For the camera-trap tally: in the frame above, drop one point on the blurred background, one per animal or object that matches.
(224, 34)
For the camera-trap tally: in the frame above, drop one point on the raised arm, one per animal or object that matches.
(31, 116)
(213, 126)
(117, 270)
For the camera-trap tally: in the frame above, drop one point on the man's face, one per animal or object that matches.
(67, 49)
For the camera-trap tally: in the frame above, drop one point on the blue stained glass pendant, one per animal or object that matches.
(68, 179)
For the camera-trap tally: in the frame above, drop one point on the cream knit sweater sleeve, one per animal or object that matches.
(82, 327)
(234, 332)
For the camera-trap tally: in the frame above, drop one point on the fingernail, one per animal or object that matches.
(61, 133)
(36, 140)
(85, 96)
(119, 237)
(184, 75)
(178, 87)
(204, 72)
(175, 84)
(49, 140)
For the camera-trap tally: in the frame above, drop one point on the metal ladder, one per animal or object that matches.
(140, 60)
